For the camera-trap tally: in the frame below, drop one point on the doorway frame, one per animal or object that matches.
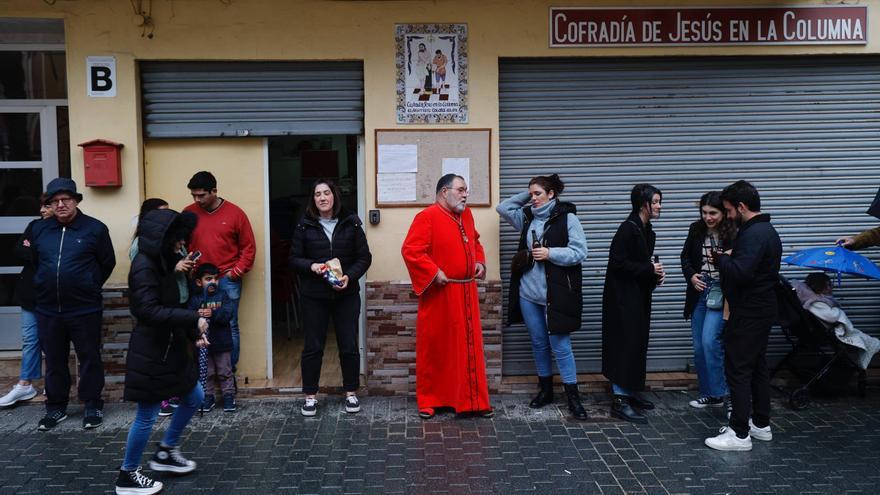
(267, 288)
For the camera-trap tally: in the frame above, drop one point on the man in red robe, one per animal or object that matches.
(444, 257)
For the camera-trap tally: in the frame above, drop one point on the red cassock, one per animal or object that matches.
(450, 366)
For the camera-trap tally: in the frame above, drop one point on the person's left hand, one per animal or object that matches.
(344, 281)
(480, 272)
(203, 341)
(232, 276)
(540, 253)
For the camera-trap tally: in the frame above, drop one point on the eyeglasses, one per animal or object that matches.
(64, 201)
(459, 190)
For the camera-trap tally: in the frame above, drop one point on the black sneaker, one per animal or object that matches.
(93, 418)
(352, 405)
(207, 404)
(135, 483)
(166, 409)
(310, 407)
(228, 403)
(704, 402)
(174, 402)
(169, 459)
(51, 419)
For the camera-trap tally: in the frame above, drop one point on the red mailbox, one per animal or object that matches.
(103, 165)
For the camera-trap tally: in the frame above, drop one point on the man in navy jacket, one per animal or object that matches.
(749, 275)
(73, 257)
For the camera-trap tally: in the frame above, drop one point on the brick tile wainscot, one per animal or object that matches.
(391, 309)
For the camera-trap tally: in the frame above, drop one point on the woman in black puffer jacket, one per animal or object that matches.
(161, 360)
(327, 231)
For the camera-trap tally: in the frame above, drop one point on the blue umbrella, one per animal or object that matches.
(835, 259)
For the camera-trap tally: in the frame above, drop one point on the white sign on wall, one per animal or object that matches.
(101, 76)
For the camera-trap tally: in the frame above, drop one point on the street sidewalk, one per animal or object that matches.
(267, 447)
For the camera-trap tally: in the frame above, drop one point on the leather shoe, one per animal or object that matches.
(640, 403)
(621, 409)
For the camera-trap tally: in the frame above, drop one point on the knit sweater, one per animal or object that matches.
(225, 238)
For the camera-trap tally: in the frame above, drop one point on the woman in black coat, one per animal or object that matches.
(328, 231)
(630, 279)
(161, 359)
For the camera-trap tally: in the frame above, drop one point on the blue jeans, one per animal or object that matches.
(233, 290)
(535, 317)
(706, 326)
(31, 355)
(139, 433)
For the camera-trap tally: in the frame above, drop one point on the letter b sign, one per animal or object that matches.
(101, 74)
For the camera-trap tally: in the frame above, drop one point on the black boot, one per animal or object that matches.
(545, 394)
(620, 408)
(640, 402)
(574, 402)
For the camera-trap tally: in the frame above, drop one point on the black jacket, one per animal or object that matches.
(564, 296)
(219, 333)
(25, 296)
(72, 263)
(750, 274)
(162, 360)
(310, 245)
(692, 263)
(626, 303)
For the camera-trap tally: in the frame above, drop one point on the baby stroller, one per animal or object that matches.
(808, 337)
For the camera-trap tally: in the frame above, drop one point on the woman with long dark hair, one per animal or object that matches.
(704, 304)
(328, 231)
(161, 353)
(630, 279)
(553, 246)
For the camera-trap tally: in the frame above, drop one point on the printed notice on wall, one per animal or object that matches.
(458, 166)
(396, 187)
(398, 158)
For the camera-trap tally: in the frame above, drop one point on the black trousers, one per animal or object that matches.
(56, 334)
(745, 366)
(345, 311)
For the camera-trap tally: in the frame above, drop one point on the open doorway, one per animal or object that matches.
(294, 163)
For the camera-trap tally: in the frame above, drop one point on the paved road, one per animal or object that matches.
(267, 448)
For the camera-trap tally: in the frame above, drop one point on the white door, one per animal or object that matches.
(28, 161)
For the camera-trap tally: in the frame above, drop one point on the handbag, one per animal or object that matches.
(715, 299)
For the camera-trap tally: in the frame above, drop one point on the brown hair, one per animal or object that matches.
(549, 183)
(312, 209)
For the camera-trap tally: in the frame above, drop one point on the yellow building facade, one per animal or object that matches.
(281, 30)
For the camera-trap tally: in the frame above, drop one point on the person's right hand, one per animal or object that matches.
(658, 269)
(205, 312)
(441, 278)
(845, 241)
(203, 342)
(184, 265)
(697, 282)
(203, 325)
(317, 268)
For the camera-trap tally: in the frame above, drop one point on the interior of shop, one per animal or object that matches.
(295, 162)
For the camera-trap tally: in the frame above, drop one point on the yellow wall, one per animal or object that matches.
(312, 30)
(238, 166)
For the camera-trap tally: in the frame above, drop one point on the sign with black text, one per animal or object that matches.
(825, 25)
(101, 76)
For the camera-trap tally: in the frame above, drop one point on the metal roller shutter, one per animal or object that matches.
(805, 131)
(210, 99)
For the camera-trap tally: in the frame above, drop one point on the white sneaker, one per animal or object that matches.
(352, 404)
(728, 440)
(18, 392)
(760, 433)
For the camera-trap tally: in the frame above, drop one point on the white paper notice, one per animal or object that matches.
(458, 166)
(398, 158)
(395, 188)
